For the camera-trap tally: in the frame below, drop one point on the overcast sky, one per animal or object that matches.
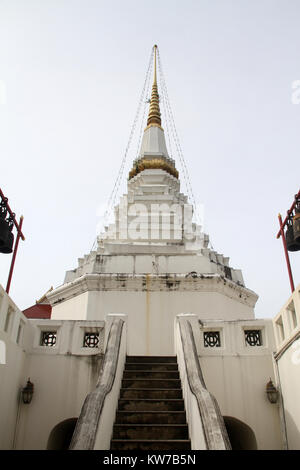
(71, 74)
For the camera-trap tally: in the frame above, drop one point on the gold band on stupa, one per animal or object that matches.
(153, 164)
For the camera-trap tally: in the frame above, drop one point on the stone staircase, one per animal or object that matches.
(150, 413)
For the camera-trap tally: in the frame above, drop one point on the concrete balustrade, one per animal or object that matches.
(95, 423)
(206, 426)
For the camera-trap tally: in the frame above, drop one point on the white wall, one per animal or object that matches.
(287, 358)
(74, 310)
(61, 385)
(237, 374)
(289, 374)
(151, 313)
(62, 375)
(13, 376)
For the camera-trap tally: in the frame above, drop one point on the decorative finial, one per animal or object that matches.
(154, 111)
(154, 78)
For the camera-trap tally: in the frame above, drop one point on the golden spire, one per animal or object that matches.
(154, 112)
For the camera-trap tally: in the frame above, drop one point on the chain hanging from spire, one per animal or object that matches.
(154, 119)
(113, 195)
(170, 118)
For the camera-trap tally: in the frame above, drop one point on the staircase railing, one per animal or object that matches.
(206, 424)
(95, 423)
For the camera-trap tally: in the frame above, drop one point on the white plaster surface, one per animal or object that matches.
(107, 418)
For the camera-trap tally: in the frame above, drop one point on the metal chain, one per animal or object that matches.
(113, 195)
(146, 101)
(170, 128)
(170, 119)
(120, 174)
(3, 207)
(166, 116)
(175, 134)
(10, 221)
(170, 115)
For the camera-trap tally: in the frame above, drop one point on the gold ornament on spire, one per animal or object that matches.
(161, 161)
(154, 111)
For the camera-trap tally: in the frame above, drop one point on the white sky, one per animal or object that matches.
(73, 73)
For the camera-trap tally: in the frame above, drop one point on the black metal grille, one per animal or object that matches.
(91, 340)
(48, 338)
(253, 337)
(212, 339)
(228, 274)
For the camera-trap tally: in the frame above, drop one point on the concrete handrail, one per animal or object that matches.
(214, 430)
(85, 432)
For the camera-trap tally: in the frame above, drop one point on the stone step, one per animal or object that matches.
(130, 393)
(151, 359)
(150, 366)
(122, 444)
(150, 417)
(151, 383)
(152, 374)
(150, 431)
(151, 413)
(151, 405)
